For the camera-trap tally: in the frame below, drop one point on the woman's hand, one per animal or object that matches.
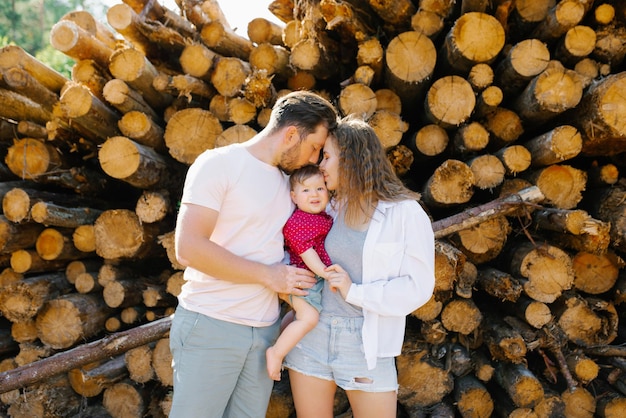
(339, 279)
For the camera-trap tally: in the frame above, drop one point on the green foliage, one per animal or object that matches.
(56, 60)
(27, 24)
(4, 41)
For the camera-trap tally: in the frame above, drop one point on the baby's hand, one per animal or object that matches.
(338, 278)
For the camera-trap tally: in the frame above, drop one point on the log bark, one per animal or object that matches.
(88, 73)
(520, 383)
(549, 94)
(68, 319)
(499, 284)
(32, 130)
(13, 56)
(261, 30)
(91, 114)
(488, 101)
(52, 398)
(273, 59)
(21, 301)
(504, 125)
(534, 313)
(587, 321)
(108, 346)
(136, 164)
(557, 145)
(559, 20)
(133, 67)
(17, 236)
(577, 43)
(603, 128)
(474, 216)
(141, 128)
(77, 43)
(460, 51)
(90, 24)
(584, 368)
(56, 244)
(29, 261)
(472, 397)
(50, 214)
(91, 379)
(525, 60)
(225, 41)
(124, 99)
(126, 22)
(415, 361)
(505, 344)
(124, 293)
(20, 81)
(316, 56)
(410, 60)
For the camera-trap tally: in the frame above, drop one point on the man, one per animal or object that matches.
(229, 236)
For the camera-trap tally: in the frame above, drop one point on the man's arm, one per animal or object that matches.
(194, 248)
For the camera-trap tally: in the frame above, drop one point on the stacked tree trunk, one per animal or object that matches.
(507, 116)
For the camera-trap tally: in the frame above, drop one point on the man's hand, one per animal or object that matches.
(290, 279)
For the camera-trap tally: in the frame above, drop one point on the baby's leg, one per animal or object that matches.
(306, 317)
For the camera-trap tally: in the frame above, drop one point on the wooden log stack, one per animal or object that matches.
(507, 116)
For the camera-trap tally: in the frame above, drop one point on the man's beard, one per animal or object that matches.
(289, 159)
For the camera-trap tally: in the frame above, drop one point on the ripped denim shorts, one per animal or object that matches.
(333, 350)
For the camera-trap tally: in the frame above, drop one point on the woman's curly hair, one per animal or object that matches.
(365, 173)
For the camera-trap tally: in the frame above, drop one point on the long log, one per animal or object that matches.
(108, 346)
(474, 216)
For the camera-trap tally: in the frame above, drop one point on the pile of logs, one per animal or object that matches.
(508, 116)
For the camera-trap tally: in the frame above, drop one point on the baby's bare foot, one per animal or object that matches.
(274, 363)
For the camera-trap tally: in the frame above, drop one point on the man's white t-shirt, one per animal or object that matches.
(253, 202)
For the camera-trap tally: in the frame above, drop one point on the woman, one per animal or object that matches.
(382, 246)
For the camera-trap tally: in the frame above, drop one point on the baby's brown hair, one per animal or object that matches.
(303, 173)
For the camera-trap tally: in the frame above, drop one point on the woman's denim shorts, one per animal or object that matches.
(333, 351)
